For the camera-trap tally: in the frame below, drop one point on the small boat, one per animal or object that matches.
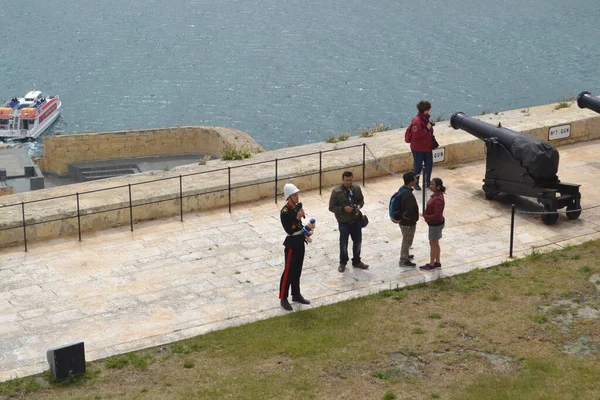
(29, 116)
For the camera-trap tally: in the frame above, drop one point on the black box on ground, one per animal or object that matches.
(67, 361)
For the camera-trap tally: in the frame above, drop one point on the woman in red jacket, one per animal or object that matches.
(420, 136)
(434, 216)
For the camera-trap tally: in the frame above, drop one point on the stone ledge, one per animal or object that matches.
(62, 150)
(203, 189)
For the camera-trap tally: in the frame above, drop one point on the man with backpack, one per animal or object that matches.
(405, 210)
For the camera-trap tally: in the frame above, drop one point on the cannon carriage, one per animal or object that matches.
(523, 165)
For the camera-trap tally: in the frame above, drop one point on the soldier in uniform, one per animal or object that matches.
(291, 219)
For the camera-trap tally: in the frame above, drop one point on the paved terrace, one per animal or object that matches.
(120, 291)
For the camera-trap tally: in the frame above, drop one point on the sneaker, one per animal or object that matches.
(408, 263)
(360, 265)
(437, 265)
(417, 187)
(426, 267)
(300, 299)
(342, 268)
(286, 305)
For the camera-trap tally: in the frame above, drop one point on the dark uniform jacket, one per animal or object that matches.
(292, 226)
(342, 197)
(410, 208)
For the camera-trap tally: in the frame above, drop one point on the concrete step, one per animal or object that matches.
(102, 174)
(113, 172)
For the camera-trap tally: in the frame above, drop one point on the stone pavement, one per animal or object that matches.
(120, 291)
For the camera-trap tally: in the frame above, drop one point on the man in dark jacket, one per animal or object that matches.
(345, 202)
(410, 216)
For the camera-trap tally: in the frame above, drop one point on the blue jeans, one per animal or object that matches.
(427, 158)
(355, 232)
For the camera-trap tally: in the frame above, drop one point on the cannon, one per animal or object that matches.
(586, 100)
(523, 165)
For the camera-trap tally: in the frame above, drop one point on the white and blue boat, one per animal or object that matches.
(28, 117)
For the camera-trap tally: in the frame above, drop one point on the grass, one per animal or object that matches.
(370, 132)
(362, 132)
(534, 255)
(342, 137)
(205, 159)
(495, 333)
(565, 103)
(139, 361)
(232, 152)
(389, 396)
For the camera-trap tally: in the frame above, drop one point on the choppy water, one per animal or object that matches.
(292, 72)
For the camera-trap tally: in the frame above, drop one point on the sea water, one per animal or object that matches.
(293, 72)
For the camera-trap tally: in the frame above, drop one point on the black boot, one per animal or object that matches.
(300, 299)
(417, 187)
(286, 305)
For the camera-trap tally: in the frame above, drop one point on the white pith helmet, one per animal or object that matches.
(289, 189)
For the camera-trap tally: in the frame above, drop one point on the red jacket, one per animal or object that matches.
(418, 135)
(434, 210)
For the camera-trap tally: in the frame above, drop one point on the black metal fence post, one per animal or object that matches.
(276, 181)
(512, 230)
(24, 226)
(181, 197)
(423, 189)
(130, 208)
(229, 186)
(364, 165)
(78, 218)
(426, 177)
(320, 172)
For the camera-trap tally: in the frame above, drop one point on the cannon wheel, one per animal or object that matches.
(549, 217)
(489, 195)
(573, 214)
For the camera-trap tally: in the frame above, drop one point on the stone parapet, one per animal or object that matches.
(203, 187)
(62, 150)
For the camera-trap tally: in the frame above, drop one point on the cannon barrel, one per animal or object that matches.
(586, 100)
(482, 130)
(539, 158)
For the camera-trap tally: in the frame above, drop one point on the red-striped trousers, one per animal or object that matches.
(291, 272)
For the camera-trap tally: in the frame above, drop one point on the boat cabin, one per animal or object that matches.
(33, 97)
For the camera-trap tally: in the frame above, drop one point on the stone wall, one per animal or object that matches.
(61, 150)
(5, 190)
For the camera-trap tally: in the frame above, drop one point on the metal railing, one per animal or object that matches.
(79, 214)
(514, 211)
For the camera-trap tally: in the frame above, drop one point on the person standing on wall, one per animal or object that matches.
(345, 202)
(410, 216)
(420, 136)
(434, 216)
(291, 219)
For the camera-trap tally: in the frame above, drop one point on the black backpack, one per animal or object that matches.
(395, 206)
